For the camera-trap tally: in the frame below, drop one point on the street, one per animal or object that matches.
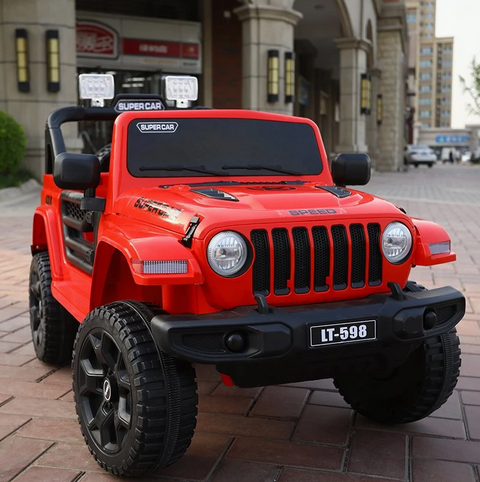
(301, 432)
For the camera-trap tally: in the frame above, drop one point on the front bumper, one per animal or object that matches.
(284, 333)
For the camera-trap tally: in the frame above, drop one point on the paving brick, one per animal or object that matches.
(63, 376)
(325, 384)
(451, 408)
(58, 430)
(15, 324)
(6, 347)
(444, 449)
(24, 373)
(239, 471)
(428, 426)
(285, 453)
(322, 397)
(207, 373)
(389, 449)
(468, 383)
(11, 423)
(11, 312)
(325, 425)
(16, 454)
(234, 405)
(470, 365)
(201, 457)
(32, 389)
(36, 474)
(296, 475)
(244, 426)
(439, 471)
(281, 402)
(206, 388)
(472, 349)
(470, 398)
(68, 456)
(472, 414)
(469, 328)
(23, 335)
(13, 359)
(47, 408)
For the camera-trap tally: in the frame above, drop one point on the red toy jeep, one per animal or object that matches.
(222, 237)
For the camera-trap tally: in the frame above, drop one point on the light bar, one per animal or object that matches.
(181, 88)
(160, 267)
(96, 87)
(440, 248)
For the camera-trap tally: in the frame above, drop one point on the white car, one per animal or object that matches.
(417, 155)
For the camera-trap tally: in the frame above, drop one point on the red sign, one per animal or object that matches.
(160, 48)
(96, 40)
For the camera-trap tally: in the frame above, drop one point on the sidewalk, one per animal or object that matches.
(302, 432)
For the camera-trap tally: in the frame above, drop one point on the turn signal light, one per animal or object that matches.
(160, 267)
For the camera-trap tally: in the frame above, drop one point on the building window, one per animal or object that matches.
(425, 88)
(429, 26)
(429, 35)
(447, 63)
(447, 75)
(426, 63)
(446, 100)
(446, 88)
(448, 50)
(426, 50)
(411, 17)
(426, 101)
(425, 76)
(425, 113)
(430, 5)
(426, 125)
(446, 113)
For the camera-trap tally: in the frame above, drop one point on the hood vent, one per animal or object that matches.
(215, 194)
(336, 190)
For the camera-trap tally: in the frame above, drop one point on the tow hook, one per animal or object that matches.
(397, 292)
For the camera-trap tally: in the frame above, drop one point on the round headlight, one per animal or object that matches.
(396, 242)
(227, 253)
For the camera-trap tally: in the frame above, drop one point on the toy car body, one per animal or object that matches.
(222, 237)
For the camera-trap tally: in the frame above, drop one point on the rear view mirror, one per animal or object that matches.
(351, 169)
(76, 171)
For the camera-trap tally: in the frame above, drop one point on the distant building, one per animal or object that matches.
(430, 68)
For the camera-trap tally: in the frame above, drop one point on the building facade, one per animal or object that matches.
(342, 63)
(432, 66)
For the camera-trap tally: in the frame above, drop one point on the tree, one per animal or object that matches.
(473, 89)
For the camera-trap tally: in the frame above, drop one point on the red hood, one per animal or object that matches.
(252, 204)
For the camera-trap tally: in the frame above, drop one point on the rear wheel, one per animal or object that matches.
(136, 405)
(53, 328)
(416, 165)
(412, 391)
(431, 164)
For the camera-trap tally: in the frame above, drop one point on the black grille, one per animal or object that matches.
(281, 255)
(375, 265)
(261, 265)
(445, 313)
(351, 244)
(73, 210)
(359, 255)
(208, 342)
(321, 268)
(340, 257)
(301, 244)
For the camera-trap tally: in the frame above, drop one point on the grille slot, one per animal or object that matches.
(261, 265)
(208, 342)
(359, 255)
(375, 264)
(444, 313)
(302, 260)
(340, 257)
(281, 254)
(321, 247)
(73, 210)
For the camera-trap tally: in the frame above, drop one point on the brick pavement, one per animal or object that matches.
(303, 432)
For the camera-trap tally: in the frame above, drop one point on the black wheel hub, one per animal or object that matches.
(37, 318)
(103, 391)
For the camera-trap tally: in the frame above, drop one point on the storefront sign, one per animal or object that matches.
(160, 48)
(96, 40)
(451, 139)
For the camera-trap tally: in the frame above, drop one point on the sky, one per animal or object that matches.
(460, 19)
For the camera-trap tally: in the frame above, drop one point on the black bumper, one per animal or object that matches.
(284, 333)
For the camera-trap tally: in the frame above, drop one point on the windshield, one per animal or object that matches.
(221, 147)
(419, 148)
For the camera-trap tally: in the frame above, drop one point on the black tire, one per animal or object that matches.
(412, 391)
(416, 165)
(430, 165)
(149, 419)
(53, 327)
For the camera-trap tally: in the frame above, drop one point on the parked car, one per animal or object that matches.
(466, 157)
(223, 237)
(416, 155)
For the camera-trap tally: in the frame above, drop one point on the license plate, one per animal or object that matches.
(354, 332)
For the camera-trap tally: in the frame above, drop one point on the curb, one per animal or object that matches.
(28, 187)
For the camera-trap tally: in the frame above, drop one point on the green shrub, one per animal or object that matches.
(12, 144)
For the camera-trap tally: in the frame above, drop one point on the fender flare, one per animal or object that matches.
(429, 233)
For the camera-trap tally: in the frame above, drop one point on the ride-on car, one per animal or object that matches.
(417, 155)
(223, 237)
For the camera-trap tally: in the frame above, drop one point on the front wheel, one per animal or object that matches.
(412, 391)
(430, 165)
(136, 405)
